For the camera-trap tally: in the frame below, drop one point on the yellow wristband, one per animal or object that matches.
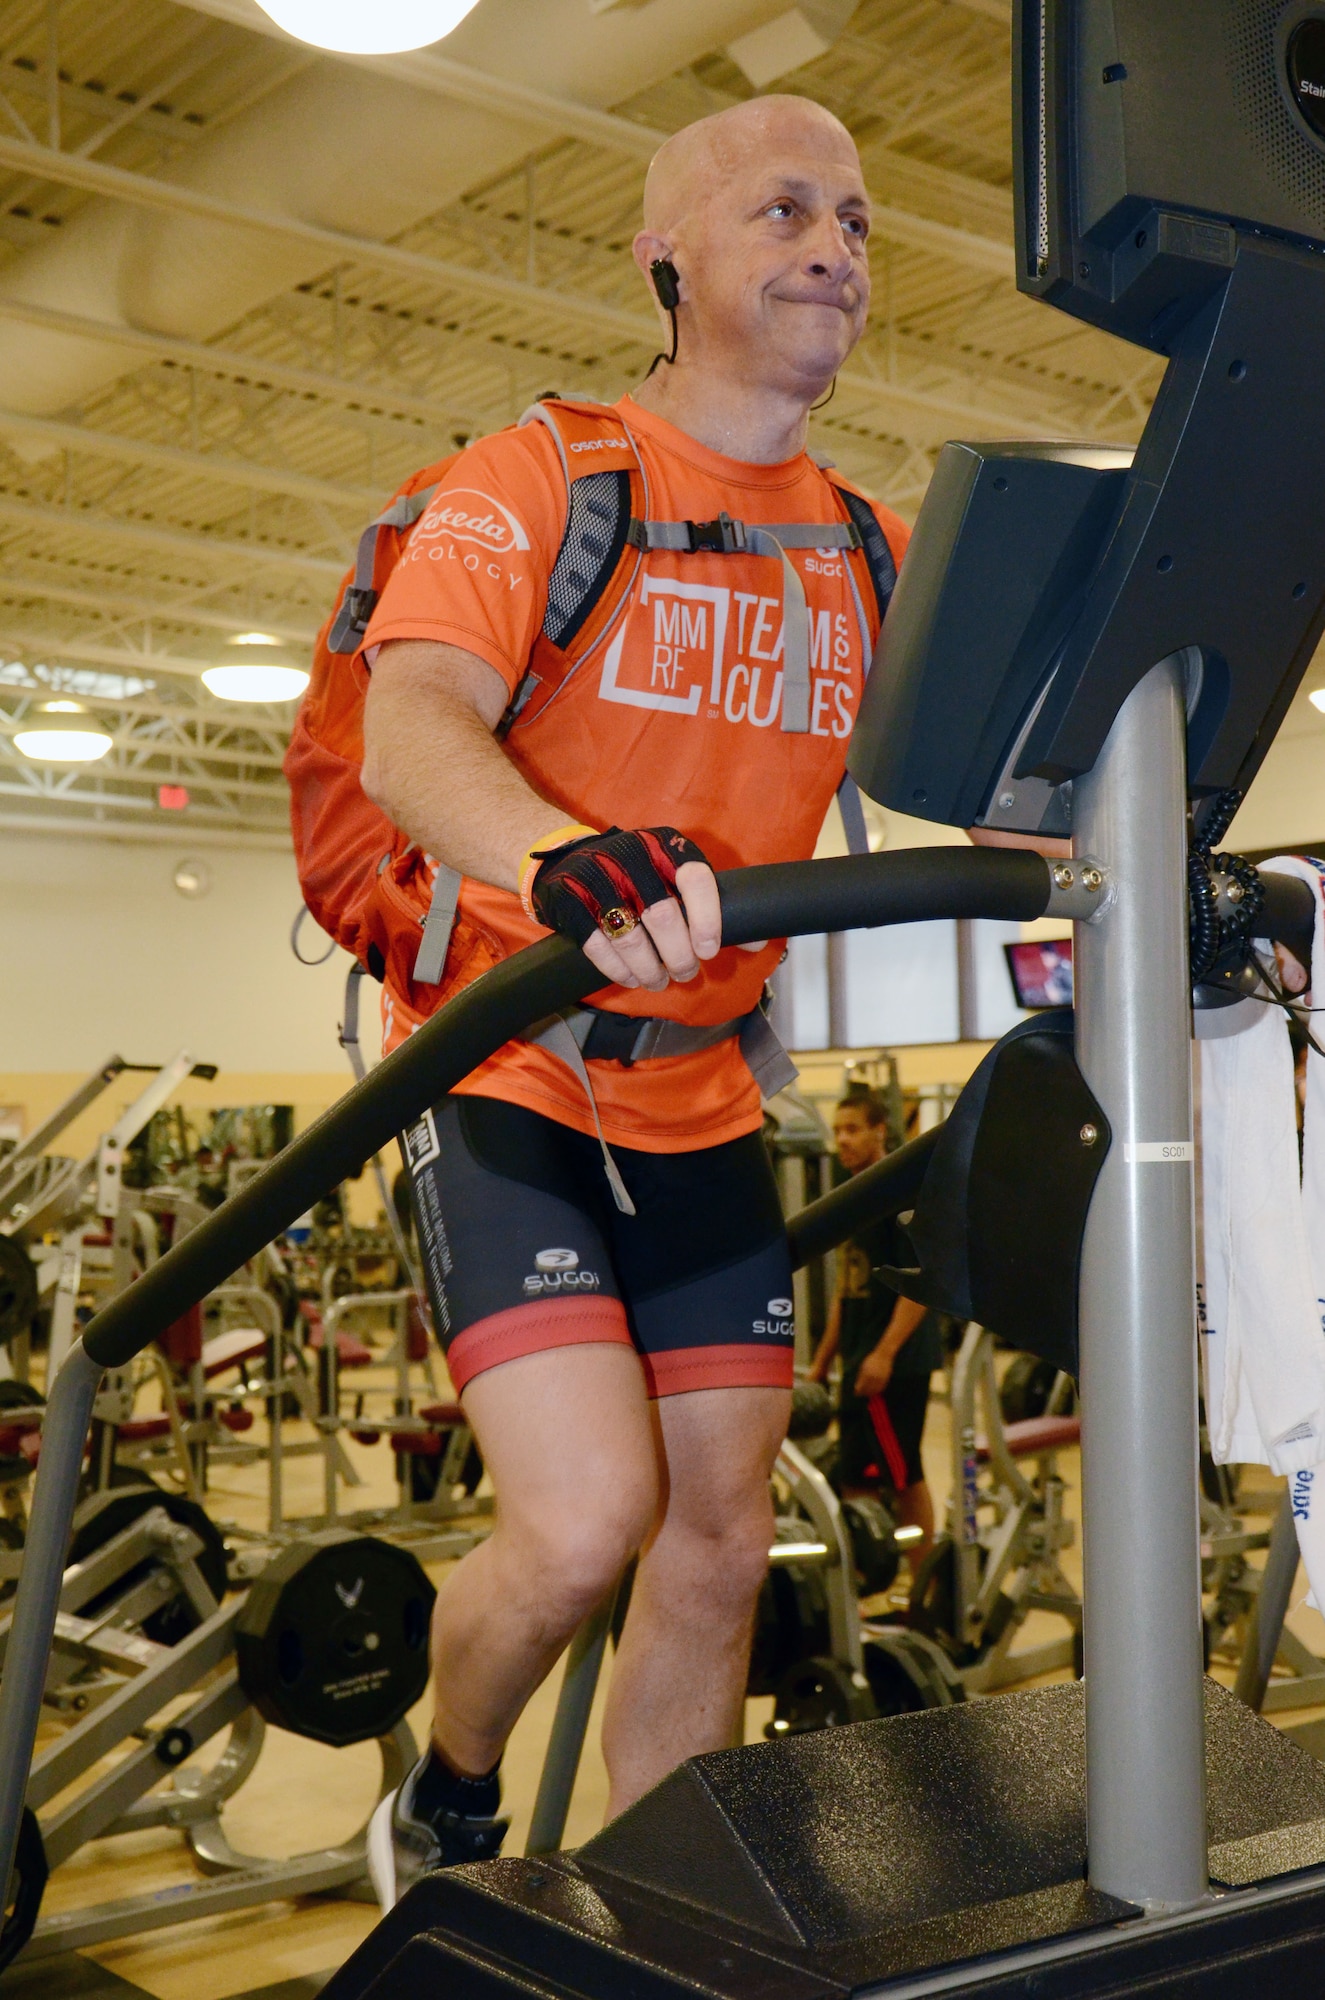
(536, 855)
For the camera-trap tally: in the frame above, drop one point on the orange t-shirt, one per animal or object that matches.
(670, 719)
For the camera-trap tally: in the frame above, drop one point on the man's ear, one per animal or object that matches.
(648, 249)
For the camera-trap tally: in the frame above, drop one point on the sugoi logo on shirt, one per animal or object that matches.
(558, 1270)
(467, 514)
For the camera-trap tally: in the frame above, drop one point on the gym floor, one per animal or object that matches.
(303, 1795)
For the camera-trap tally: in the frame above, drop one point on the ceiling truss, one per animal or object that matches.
(214, 489)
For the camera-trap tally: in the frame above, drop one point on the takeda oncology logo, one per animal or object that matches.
(468, 514)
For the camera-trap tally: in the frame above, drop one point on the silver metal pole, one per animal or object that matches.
(1145, 1734)
(54, 1496)
(570, 1725)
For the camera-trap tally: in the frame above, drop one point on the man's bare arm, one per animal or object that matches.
(433, 766)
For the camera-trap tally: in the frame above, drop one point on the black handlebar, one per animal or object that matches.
(784, 899)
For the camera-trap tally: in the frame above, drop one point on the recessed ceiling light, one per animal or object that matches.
(63, 746)
(61, 708)
(1317, 699)
(255, 683)
(352, 27)
(253, 639)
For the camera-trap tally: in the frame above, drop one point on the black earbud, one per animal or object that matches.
(667, 291)
(666, 284)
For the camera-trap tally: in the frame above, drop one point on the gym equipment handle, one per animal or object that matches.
(783, 899)
(887, 1188)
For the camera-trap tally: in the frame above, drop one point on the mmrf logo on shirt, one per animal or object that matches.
(781, 1321)
(684, 647)
(558, 1270)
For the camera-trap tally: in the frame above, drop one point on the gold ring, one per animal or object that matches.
(617, 923)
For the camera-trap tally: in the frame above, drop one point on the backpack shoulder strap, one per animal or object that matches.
(604, 480)
(873, 541)
(359, 600)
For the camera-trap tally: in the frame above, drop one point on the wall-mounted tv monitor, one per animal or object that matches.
(1041, 971)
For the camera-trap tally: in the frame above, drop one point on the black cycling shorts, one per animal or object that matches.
(524, 1249)
(879, 1439)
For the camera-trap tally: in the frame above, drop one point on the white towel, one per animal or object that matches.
(1263, 1250)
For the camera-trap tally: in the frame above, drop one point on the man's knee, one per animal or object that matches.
(719, 1564)
(573, 1554)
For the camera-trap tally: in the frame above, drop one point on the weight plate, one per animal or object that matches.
(811, 1410)
(907, 1671)
(18, 1290)
(1026, 1388)
(19, 1395)
(820, 1693)
(333, 1640)
(104, 1515)
(871, 1529)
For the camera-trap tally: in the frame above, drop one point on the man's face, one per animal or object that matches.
(773, 259)
(858, 1142)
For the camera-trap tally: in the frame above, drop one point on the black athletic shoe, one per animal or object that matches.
(435, 1820)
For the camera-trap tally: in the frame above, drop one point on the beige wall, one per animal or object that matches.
(103, 956)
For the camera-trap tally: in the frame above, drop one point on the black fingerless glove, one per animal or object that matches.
(593, 878)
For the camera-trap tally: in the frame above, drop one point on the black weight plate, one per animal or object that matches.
(18, 1289)
(819, 1693)
(104, 1515)
(871, 1529)
(1026, 1388)
(908, 1672)
(19, 1395)
(11, 1537)
(811, 1410)
(333, 1640)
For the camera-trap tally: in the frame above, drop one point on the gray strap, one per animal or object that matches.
(795, 634)
(356, 607)
(437, 926)
(772, 539)
(770, 1065)
(349, 1028)
(558, 1037)
(853, 816)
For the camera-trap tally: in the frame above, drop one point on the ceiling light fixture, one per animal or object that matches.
(353, 28)
(253, 639)
(61, 745)
(1317, 699)
(255, 683)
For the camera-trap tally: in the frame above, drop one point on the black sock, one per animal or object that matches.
(435, 1790)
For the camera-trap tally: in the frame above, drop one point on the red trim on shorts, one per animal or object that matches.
(534, 1329)
(738, 1365)
(888, 1442)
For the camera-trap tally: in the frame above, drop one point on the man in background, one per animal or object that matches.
(889, 1346)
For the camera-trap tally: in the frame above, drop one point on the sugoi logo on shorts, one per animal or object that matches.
(556, 1260)
(558, 1271)
(780, 1324)
(467, 514)
(780, 1308)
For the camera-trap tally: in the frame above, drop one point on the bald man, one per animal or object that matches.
(606, 1256)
